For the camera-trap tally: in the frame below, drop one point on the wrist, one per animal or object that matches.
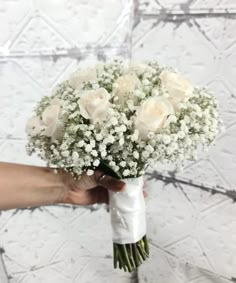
(67, 184)
(58, 188)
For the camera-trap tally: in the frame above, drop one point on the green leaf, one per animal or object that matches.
(107, 170)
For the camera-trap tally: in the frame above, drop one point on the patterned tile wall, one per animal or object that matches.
(191, 213)
(40, 43)
(191, 222)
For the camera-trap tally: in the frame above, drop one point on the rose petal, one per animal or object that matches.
(126, 85)
(79, 77)
(55, 130)
(33, 125)
(94, 104)
(51, 114)
(152, 115)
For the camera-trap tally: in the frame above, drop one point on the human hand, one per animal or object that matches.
(90, 189)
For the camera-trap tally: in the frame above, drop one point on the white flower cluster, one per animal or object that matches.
(123, 117)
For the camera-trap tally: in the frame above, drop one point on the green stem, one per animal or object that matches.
(136, 258)
(142, 245)
(146, 244)
(115, 255)
(130, 254)
(142, 254)
(119, 258)
(125, 257)
(123, 261)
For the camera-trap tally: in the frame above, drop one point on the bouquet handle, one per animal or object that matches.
(128, 222)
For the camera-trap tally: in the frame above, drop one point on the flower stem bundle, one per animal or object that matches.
(130, 256)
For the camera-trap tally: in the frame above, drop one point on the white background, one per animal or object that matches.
(192, 232)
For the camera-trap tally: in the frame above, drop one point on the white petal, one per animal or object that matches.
(79, 77)
(33, 125)
(94, 104)
(50, 114)
(55, 131)
(56, 101)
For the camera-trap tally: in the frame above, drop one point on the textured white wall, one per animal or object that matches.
(192, 231)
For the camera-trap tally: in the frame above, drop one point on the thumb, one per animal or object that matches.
(110, 183)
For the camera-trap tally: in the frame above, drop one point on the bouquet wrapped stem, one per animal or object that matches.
(128, 221)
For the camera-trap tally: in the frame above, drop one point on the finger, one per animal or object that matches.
(145, 194)
(99, 195)
(86, 182)
(103, 196)
(144, 184)
(111, 183)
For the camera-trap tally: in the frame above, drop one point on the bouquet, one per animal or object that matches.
(121, 119)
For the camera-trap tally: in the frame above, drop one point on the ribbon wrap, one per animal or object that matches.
(127, 212)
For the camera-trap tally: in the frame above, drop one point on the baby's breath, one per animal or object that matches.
(115, 141)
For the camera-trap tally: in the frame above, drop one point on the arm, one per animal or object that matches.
(23, 186)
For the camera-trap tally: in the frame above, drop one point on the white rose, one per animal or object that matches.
(34, 126)
(94, 104)
(140, 69)
(77, 79)
(152, 115)
(50, 125)
(126, 85)
(50, 117)
(99, 68)
(178, 88)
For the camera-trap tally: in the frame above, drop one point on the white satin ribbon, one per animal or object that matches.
(127, 211)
